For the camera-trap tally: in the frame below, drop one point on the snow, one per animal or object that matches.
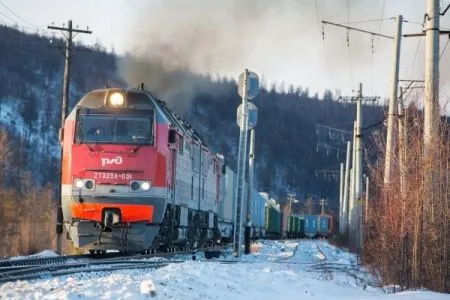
(275, 270)
(148, 287)
(45, 253)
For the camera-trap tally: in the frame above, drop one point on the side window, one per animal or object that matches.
(180, 145)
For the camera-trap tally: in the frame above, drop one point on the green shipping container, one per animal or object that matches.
(301, 227)
(290, 224)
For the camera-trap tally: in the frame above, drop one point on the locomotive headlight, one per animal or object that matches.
(116, 99)
(145, 186)
(140, 185)
(135, 185)
(79, 183)
(89, 184)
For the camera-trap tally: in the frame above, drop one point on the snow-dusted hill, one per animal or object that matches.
(276, 270)
(286, 137)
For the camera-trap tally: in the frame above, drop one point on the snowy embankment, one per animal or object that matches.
(276, 270)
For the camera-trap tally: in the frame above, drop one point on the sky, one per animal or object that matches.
(280, 40)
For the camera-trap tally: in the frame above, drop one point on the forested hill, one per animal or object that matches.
(286, 135)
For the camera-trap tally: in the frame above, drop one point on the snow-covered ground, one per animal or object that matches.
(276, 270)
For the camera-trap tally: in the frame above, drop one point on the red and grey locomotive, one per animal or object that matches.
(135, 176)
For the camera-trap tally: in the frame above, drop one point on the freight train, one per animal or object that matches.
(137, 177)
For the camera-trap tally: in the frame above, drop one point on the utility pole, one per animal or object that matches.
(431, 109)
(431, 106)
(355, 211)
(67, 61)
(346, 187)
(358, 146)
(341, 196)
(402, 143)
(393, 99)
(351, 203)
(251, 166)
(323, 202)
(366, 210)
(291, 197)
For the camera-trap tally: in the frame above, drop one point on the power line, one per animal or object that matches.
(357, 29)
(8, 17)
(367, 21)
(443, 51)
(415, 23)
(348, 42)
(323, 42)
(17, 16)
(381, 23)
(415, 56)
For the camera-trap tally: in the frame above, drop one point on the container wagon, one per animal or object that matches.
(226, 205)
(258, 214)
(273, 220)
(311, 226)
(326, 225)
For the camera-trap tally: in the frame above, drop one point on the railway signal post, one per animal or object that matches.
(251, 166)
(67, 58)
(248, 89)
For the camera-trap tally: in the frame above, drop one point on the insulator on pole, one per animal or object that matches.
(372, 40)
(348, 38)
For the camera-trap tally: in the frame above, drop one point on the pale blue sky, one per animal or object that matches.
(286, 43)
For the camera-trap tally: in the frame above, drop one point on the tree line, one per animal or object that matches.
(407, 229)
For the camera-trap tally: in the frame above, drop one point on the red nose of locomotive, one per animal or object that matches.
(111, 182)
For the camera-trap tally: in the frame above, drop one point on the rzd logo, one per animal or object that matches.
(112, 161)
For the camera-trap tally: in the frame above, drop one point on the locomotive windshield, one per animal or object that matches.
(114, 129)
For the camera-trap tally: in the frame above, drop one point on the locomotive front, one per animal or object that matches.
(113, 177)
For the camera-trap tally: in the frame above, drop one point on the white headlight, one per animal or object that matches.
(145, 186)
(79, 183)
(116, 99)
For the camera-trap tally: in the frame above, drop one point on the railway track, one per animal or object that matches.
(37, 261)
(48, 271)
(33, 268)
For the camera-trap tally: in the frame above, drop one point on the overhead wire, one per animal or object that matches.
(316, 6)
(348, 44)
(415, 57)
(443, 51)
(381, 22)
(375, 41)
(414, 22)
(367, 21)
(17, 16)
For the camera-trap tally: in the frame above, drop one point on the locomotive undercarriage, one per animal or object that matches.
(178, 228)
(185, 228)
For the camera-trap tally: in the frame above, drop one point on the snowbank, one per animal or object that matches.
(279, 270)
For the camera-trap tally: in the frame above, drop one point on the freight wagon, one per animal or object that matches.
(311, 226)
(295, 226)
(273, 218)
(325, 225)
